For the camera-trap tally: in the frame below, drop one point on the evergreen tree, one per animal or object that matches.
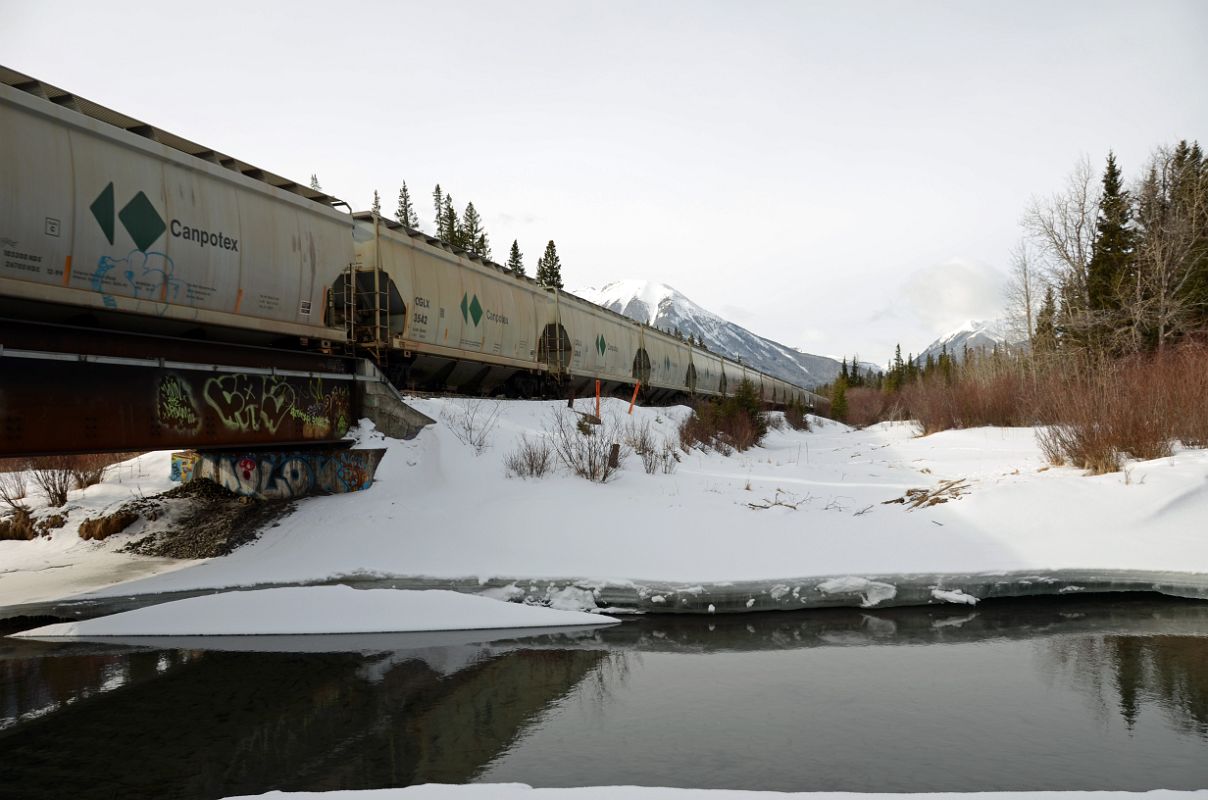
(450, 225)
(516, 260)
(549, 267)
(1044, 342)
(405, 213)
(1111, 257)
(314, 182)
(839, 399)
(439, 212)
(377, 204)
(473, 236)
(843, 370)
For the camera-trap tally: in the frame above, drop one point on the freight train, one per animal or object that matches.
(109, 223)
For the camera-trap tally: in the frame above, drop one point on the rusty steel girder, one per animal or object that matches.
(59, 404)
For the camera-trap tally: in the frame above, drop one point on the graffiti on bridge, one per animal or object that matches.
(278, 475)
(264, 402)
(174, 405)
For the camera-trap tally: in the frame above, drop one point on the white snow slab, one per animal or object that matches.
(519, 791)
(320, 610)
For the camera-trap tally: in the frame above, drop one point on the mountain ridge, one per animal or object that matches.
(664, 307)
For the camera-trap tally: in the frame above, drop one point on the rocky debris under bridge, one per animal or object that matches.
(200, 519)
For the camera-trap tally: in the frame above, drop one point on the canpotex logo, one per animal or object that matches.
(138, 217)
(471, 308)
(145, 225)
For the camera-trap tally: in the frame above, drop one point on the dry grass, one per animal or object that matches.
(104, 527)
(17, 525)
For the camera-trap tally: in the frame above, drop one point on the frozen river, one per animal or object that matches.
(1082, 693)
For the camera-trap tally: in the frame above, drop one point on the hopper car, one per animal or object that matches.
(110, 224)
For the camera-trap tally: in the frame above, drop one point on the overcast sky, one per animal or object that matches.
(838, 176)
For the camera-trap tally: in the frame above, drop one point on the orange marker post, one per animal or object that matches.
(597, 398)
(634, 399)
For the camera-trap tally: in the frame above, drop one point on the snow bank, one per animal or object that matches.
(779, 522)
(320, 610)
(519, 791)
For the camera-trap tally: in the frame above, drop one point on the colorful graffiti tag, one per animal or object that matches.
(264, 402)
(281, 475)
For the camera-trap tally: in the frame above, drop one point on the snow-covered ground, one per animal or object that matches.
(803, 506)
(516, 791)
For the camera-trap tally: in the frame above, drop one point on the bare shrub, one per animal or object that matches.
(104, 527)
(669, 458)
(866, 406)
(776, 422)
(531, 458)
(472, 421)
(639, 437)
(795, 414)
(1101, 411)
(89, 470)
(13, 490)
(734, 423)
(53, 477)
(999, 397)
(587, 456)
(1186, 380)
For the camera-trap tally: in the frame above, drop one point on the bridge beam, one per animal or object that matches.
(59, 403)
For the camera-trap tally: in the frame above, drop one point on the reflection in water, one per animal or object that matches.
(214, 723)
(900, 700)
(1169, 673)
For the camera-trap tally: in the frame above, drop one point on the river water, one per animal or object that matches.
(1092, 693)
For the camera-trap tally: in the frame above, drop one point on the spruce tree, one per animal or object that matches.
(450, 225)
(516, 260)
(1044, 341)
(1111, 257)
(839, 399)
(405, 213)
(377, 203)
(472, 235)
(549, 267)
(314, 182)
(438, 206)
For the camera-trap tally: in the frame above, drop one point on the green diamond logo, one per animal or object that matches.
(601, 345)
(475, 310)
(465, 307)
(142, 221)
(102, 210)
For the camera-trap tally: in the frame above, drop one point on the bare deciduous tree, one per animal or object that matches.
(1063, 228)
(1172, 213)
(1024, 292)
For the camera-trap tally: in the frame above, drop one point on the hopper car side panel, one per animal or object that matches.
(108, 219)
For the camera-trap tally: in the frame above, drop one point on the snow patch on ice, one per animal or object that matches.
(871, 592)
(572, 598)
(954, 596)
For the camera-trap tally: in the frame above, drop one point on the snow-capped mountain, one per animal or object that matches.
(663, 307)
(974, 335)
